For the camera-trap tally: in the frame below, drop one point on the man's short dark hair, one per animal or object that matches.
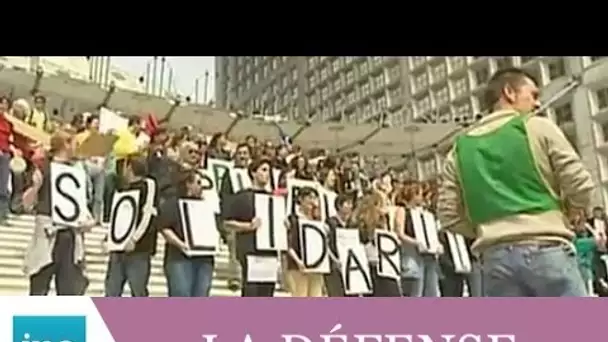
(243, 145)
(256, 164)
(306, 192)
(512, 77)
(341, 199)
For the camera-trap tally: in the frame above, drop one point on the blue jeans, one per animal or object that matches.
(97, 179)
(5, 171)
(475, 281)
(531, 270)
(133, 268)
(419, 273)
(189, 277)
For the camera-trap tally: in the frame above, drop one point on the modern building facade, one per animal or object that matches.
(358, 89)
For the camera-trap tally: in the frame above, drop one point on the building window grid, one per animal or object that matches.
(459, 87)
(457, 63)
(556, 68)
(439, 72)
(364, 68)
(442, 96)
(416, 62)
(481, 75)
(601, 99)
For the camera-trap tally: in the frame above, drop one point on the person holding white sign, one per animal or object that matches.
(371, 216)
(301, 281)
(334, 283)
(187, 275)
(235, 180)
(458, 265)
(57, 250)
(417, 229)
(259, 269)
(132, 262)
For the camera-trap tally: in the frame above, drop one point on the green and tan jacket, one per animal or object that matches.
(506, 178)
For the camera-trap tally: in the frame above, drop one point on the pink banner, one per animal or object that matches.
(360, 320)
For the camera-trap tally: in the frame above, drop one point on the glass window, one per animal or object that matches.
(351, 97)
(311, 62)
(312, 81)
(365, 89)
(602, 98)
(557, 68)
(382, 102)
(504, 62)
(350, 77)
(275, 62)
(379, 81)
(442, 96)
(312, 101)
(256, 77)
(481, 75)
(364, 68)
(337, 64)
(563, 114)
(421, 81)
(459, 86)
(266, 71)
(423, 105)
(417, 61)
(395, 72)
(337, 84)
(526, 59)
(324, 72)
(604, 127)
(324, 93)
(395, 95)
(294, 93)
(457, 63)
(439, 72)
(294, 74)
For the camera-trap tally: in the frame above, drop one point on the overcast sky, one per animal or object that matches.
(185, 71)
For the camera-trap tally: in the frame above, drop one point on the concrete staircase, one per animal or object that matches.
(15, 237)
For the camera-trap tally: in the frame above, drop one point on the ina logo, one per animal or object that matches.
(49, 329)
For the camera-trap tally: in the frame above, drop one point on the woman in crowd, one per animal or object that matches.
(241, 218)
(54, 251)
(187, 276)
(217, 147)
(419, 266)
(372, 215)
(344, 208)
(300, 282)
(300, 168)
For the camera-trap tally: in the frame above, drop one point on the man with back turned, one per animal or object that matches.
(506, 183)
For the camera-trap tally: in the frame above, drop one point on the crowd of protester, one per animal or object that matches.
(169, 156)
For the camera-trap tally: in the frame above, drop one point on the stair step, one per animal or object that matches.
(16, 235)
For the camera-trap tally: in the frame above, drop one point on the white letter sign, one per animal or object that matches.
(272, 234)
(355, 271)
(68, 195)
(200, 228)
(123, 218)
(313, 239)
(425, 229)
